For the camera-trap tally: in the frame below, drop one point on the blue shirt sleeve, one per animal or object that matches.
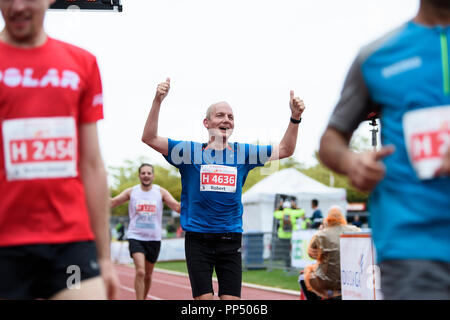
(179, 153)
(257, 155)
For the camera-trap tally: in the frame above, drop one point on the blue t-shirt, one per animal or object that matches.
(317, 218)
(212, 183)
(406, 70)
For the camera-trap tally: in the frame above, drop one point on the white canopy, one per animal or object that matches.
(259, 200)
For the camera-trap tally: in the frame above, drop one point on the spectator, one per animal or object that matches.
(288, 219)
(317, 214)
(322, 280)
(120, 229)
(356, 221)
(305, 223)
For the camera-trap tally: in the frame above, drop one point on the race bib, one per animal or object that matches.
(39, 148)
(218, 178)
(427, 138)
(146, 211)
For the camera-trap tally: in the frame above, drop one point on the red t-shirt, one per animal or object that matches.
(46, 93)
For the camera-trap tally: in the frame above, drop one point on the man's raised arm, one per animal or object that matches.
(150, 134)
(123, 197)
(287, 145)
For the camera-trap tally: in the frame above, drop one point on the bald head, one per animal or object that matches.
(212, 108)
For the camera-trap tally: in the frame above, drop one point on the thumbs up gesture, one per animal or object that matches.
(297, 106)
(162, 90)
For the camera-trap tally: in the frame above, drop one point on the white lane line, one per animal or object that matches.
(132, 290)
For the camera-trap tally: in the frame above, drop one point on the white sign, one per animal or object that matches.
(299, 255)
(360, 277)
(171, 250)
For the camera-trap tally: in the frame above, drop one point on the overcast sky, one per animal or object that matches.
(249, 53)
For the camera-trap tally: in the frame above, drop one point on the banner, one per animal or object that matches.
(360, 277)
(171, 250)
(299, 255)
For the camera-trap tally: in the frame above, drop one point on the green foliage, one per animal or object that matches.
(324, 175)
(127, 176)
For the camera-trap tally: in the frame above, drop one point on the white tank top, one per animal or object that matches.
(145, 211)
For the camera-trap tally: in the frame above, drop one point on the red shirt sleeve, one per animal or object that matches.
(92, 97)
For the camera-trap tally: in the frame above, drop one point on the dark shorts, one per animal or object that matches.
(415, 280)
(42, 270)
(206, 251)
(149, 248)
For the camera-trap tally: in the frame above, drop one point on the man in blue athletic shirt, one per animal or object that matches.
(405, 75)
(212, 176)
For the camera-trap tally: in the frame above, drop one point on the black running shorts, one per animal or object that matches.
(43, 270)
(149, 248)
(206, 251)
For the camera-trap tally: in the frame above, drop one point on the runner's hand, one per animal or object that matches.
(162, 90)
(365, 170)
(110, 279)
(297, 106)
(444, 169)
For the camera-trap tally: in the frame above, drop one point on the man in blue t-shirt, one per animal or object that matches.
(212, 177)
(406, 76)
(317, 214)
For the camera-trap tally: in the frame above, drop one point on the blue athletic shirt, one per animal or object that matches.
(212, 183)
(406, 70)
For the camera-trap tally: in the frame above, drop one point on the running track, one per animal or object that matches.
(167, 285)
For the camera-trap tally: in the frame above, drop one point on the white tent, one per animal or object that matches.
(259, 200)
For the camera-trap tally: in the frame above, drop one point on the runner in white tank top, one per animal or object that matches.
(145, 210)
(144, 232)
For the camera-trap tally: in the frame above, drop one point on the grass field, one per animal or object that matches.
(275, 278)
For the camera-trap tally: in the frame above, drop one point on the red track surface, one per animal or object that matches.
(177, 287)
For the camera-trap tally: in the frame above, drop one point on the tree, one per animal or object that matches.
(326, 176)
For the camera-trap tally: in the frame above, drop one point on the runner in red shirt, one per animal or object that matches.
(52, 177)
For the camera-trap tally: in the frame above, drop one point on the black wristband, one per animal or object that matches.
(296, 121)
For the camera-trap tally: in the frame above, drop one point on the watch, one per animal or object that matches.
(296, 121)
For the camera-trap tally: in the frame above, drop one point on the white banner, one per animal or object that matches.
(300, 240)
(171, 250)
(120, 253)
(360, 277)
